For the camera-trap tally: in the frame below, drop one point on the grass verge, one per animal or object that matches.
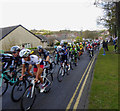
(104, 89)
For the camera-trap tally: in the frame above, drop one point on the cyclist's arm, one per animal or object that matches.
(23, 69)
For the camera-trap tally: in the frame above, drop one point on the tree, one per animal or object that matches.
(78, 39)
(90, 34)
(111, 18)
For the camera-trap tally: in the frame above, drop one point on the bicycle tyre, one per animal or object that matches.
(71, 65)
(5, 82)
(53, 67)
(48, 80)
(67, 71)
(17, 92)
(60, 75)
(26, 97)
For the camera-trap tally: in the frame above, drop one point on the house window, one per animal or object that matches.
(27, 45)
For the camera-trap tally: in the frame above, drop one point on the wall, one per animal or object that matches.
(18, 37)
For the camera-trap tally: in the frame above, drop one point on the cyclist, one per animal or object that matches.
(78, 50)
(90, 48)
(73, 51)
(45, 55)
(16, 59)
(11, 61)
(81, 49)
(63, 54)
(31, 60)
(6, 60)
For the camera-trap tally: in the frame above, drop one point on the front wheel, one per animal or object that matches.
(71, 65)
(53, 67)
(28, 99)
(60, 74)
(3, 86)
(18, 90)
(48, 82)
(67, 71)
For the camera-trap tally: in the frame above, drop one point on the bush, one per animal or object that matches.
(32, 48)
(58, 43)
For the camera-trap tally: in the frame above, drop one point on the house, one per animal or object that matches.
(19, 35)
(44, 40)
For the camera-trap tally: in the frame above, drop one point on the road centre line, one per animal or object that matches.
(69, 104)
(81, 90)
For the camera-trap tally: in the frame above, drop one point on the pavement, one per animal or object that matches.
(71, 93)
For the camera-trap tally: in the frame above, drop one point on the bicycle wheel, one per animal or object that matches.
(71, 65)
(3, 86)
(67, 71)
(28, 99)
(60, 74)
(53, 67)
(55, 60)
(18, 90)
(48, 82)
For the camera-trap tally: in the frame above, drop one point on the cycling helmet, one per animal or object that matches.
(39, 47)
(61, 43)
(15, 48)
(59, 48)
(55, 47)
(25, 53)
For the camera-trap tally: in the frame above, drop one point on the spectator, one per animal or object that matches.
(115, 45)
(107, 45)
(104, 46)
(23, 46)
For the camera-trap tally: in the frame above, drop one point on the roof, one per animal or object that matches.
(43, 37)
(7, 30)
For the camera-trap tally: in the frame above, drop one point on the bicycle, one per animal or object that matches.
(20, 87)
(6, 80)
(90, 53)
(62, 71)
(33, 89)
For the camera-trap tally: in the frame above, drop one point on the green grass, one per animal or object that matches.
(104, 89)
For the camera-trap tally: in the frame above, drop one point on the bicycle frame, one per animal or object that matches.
(3, 75)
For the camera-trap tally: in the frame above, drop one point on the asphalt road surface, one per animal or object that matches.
(63, 94)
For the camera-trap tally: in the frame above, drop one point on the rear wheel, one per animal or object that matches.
(28, 99)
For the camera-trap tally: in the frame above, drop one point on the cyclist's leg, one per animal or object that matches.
(48, 60)
(29, 68)
(40, 71)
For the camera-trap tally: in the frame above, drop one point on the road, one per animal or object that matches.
(63, 95)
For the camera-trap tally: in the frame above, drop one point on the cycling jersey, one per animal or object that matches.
(34, 60)
(10, 60)
(44, 53)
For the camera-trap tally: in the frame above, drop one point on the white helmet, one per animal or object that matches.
(25, 53)
(15, 48)
(59, 48)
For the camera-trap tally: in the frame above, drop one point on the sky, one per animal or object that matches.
(51, 15)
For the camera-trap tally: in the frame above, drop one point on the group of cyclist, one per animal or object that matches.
(25, 57)
(67, 50)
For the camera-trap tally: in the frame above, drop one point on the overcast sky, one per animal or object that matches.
(50, 14)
